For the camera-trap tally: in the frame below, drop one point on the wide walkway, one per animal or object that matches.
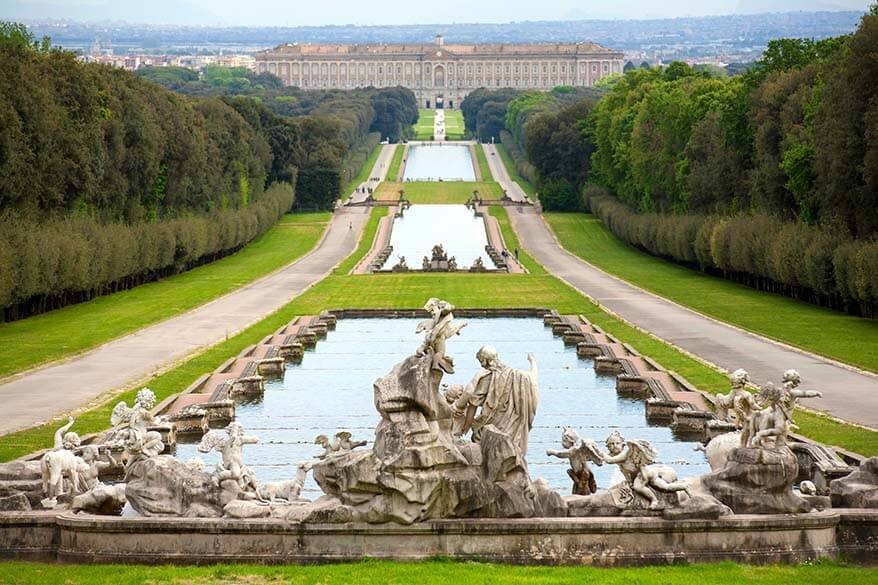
(847, 394)
(379, 172)
(39, 395)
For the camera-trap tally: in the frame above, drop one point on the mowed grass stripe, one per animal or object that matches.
(848, 339)
(44, 338)
(369, 572)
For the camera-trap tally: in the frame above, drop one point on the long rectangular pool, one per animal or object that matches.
(457, 228)
(331, 390)
(439, 161)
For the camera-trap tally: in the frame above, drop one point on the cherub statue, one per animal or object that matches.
(792, 393)
(62, 462)
(439, 327)
(339, 444)
(401, 265)
(98, 497)
(425, 264)
(452, 264)
(132, 426)
(580, 453)
(635, 460)
(738, 404)
(231, 446)
(769, 426)
(90, 478)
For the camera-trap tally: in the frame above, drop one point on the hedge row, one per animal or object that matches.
(790, 258)
(522, 165)
(62, 261)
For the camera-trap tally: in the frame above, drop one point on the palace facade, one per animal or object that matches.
(440, 75)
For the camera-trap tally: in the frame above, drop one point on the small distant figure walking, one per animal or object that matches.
(516, 253)
(350, 225)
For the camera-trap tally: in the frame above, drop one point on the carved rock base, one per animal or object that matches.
(857, 490)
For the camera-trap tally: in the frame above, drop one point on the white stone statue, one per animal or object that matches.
(341, 443)
(768, 427)
(792, 393)
(285, 491)
(132, 426)
(738, 404)
(60, 463)
(501, 396)
(231, 445)
(636, 462)
(438, 328)
(579, 452)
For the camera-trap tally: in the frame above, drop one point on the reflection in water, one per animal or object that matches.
(421, 227)
(332, 389)
(431, 162)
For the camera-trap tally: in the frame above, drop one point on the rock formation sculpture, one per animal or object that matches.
(579, 453)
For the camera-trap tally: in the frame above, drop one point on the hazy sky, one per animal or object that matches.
(365, 12)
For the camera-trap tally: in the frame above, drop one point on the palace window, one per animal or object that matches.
(594, 68)
(606, 69)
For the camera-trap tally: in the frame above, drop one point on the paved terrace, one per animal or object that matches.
(847, 394)
(41, 394)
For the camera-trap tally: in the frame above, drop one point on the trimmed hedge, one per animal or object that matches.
(62, 261)
(522, 165)
(790, 258)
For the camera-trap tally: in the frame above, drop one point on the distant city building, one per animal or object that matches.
(440, 75)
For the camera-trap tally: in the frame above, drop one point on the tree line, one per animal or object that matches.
(108, 180)
(769, 177)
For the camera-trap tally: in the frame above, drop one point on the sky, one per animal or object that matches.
(371, 12)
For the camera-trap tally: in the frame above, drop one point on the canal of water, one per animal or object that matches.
(332, 390)
(439, 161)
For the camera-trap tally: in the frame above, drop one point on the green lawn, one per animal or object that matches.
(454, 125)
(371, 572)
(513, 172)
(50, 336)
(395, 163)
(439, 191)
(364, 173)
(424, 126)
(365, 241)
(482, 160)
(837, 335)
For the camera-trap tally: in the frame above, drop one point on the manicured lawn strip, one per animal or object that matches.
(369, 572)
(424, 125)
(513, 172)
(454, 125)
(842, 337)
(364, 173)
(439, 191)
(44, 338)
(482, 160)
(365, 241)
(395, 163)
(409, 291)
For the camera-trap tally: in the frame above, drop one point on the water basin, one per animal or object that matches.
(332, 390)
(432, 162)
(456, 227)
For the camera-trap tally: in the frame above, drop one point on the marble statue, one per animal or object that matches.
(401, 265)
(579, 453)
(131, 426)
(231, 446)
(62, 463)
(768, 426)
(452, 264)
(285, 491)
(478, 265)
(791, 380)
(416, 470)
(738, 404)
(339, 444)
(437, 329)
(425, 264)
(636, 461)
(500, 396)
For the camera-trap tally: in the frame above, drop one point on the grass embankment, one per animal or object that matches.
(50, 336)
(513, 172)
(482, 161)
(366, 240)
(846, 338)
(364, 173)
(439, 191)
(423, 128)
(454, 125)
(427, 572)
(396, 163)
(339, 290)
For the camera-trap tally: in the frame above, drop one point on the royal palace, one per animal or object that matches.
(440, 75)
